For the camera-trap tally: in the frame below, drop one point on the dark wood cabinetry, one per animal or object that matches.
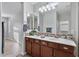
(64, 51)
(66, 48)
(53, 45)
(46, 51)
(60, 53)
(28, 46)
(36, 48)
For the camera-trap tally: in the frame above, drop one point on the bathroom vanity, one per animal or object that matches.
(49, 47)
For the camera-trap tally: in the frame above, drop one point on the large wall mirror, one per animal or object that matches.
(32, 21)
(47, 17)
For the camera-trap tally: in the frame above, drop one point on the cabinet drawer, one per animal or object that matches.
(46, 51)
(44, 43)
(60, 53)
(53, 45)
(67, 48)
(26, 38)
(37, 41)
(29, 39)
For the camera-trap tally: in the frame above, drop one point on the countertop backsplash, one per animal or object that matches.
(57, 35)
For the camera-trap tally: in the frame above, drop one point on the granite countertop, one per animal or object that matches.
(57, 40)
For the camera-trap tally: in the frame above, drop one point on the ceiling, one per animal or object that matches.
(11, 8)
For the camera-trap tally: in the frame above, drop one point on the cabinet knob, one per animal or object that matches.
(65, 48)
(43, 43)
(36, 41)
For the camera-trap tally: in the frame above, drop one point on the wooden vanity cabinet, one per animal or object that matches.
(64, 51)
(66, 48)
(53, 45)
(28, 45)
(61, 53)
(45, 50)
(37, 48)
(61, 50)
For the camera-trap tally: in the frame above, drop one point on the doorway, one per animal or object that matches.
(10, 47)
(2, 37)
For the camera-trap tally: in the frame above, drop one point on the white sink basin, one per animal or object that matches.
(49, 38)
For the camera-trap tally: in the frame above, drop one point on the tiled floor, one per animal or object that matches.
(11, 48)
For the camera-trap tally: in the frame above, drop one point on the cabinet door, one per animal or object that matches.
(35, 49)
(46, 51)
(67, 48)
(61, 53)
(28, 47)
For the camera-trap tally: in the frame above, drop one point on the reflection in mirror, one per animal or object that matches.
(51, 17)
(54, 17)
(32, 22)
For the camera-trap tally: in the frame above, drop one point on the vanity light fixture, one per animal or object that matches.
(48, 7)
(44, 8)
(41, 10)
(53, 5)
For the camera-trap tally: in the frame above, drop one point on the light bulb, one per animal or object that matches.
(53, 7)
(44, 8)
(53, 4)
(40, 9)
(48, 7)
